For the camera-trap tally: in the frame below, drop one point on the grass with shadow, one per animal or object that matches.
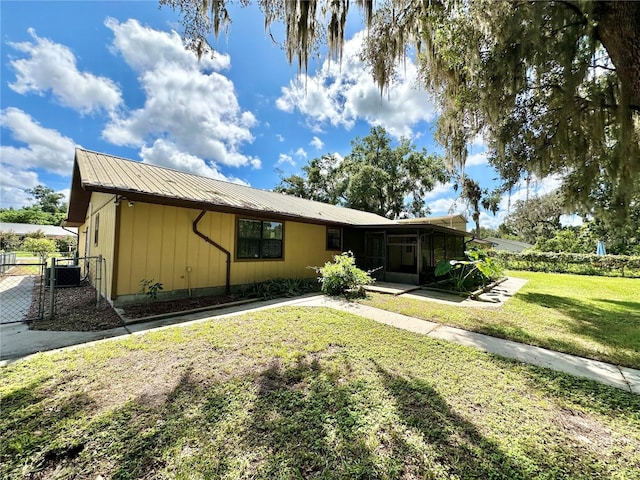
(593, 317)
(306, 393)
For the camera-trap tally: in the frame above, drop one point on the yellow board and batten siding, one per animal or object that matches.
(157, 243)
(102, 206)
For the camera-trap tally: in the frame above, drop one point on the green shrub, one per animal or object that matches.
(342, 277)
(41, 247)
(577, 263)
(66, 244)
(9, 241)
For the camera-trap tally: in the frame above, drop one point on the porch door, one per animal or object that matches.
(402, 258)
(375, 246)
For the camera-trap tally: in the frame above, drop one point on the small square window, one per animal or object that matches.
(334, 238)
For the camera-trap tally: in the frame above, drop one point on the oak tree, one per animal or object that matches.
(553, 86)
(376, 176)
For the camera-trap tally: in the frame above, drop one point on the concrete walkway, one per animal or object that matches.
(620, 377)
(18, 342)
(15, 297)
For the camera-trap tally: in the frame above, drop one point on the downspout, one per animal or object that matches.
(222, 249)
(70, 231)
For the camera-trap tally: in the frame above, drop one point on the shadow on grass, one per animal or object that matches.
(317, 425)
(319, 417)
(626, 307)
(313, 424)
(30, 425)
(457, 448)
(615, 328)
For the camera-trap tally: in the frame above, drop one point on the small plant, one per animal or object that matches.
(342, 277)
(150, 289)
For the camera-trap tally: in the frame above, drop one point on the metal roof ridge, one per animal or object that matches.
(235, 185)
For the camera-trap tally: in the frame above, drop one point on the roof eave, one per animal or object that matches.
(137, 196)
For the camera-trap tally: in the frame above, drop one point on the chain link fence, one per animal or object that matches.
(36, 290)
(21, 289)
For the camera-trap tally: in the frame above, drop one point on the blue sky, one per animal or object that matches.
(114, 77)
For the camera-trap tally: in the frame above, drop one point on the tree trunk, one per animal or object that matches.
(619, 31)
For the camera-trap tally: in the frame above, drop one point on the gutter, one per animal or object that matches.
(211, 242)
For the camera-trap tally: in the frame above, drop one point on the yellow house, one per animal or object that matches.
(197, 235)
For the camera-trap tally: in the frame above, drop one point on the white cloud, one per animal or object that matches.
(341, 93)
(445, 206)
(284, 158)
(478, 141)
(188, 104)
(279, 137)
(13, 183)
(46, 148)
(52, 67)
(317, 143)
(66, 194)
(145, 49)
(477, 159)
(301, 153)
(439, 190)
(166, 154)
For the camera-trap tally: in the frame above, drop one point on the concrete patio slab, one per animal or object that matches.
(391, 288)
(493, 299)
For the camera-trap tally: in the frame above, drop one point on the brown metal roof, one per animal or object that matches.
(138, 181)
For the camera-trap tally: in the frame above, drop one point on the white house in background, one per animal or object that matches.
(49, 231)
(507, 245)
(456, 221)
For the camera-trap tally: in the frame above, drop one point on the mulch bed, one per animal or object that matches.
(76, 309)
(171, 306)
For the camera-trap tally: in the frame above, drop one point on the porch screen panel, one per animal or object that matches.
(425, 248)
(439, 252)
(455, 247)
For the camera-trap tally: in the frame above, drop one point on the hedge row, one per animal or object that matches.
(579, 263)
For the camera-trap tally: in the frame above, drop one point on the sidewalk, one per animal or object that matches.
(620, 377)
(17, 341)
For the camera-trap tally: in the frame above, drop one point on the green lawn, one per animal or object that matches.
(306, 393)
(594, 317)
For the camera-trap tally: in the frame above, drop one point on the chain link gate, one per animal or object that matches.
(22, 289)
(32, 291)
